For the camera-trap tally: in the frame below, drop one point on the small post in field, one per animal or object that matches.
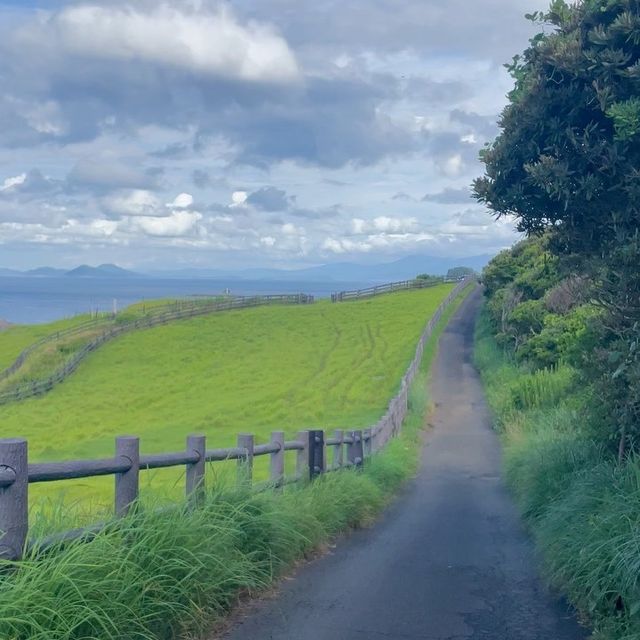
(127, 483)
(302, 455)
(277, 458)
(316, 453)
(245, 463)
(14, 502)
(195, 487)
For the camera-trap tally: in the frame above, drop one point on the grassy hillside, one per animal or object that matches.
(16, 338)
(253, 370)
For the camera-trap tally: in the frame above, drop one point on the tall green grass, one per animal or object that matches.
(583, 508)
(175, 573)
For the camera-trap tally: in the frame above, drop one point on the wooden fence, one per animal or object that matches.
(404, 285)
(349, 449)
(175, 311)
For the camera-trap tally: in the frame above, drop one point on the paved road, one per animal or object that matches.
(449, 559)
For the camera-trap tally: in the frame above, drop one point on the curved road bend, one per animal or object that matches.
(449, 559)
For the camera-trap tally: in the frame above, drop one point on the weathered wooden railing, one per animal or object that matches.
(350, 449)
(185, 309)
(404, 285)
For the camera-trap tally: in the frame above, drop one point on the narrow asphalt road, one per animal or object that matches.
(449, 560)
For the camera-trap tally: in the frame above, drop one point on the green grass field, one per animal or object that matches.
(178, 572)
(253, 370)
(18, 337)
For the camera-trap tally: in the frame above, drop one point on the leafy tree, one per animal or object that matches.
(567, 160)
(427, 277)
(458, 273)
(568, 156)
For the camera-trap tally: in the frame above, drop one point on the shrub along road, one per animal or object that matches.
(448, 561)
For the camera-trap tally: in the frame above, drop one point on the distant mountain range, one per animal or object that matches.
(83, 271)
(407, 267)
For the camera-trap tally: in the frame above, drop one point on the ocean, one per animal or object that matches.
(30, 300)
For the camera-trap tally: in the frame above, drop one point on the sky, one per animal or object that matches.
(273, 133)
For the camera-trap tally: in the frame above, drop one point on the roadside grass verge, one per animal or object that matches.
(175, 573)
(582, 507)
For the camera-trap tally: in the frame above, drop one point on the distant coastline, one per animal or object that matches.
(35, 300)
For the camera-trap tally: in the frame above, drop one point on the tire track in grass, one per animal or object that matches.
(321, 367)
(368, 341)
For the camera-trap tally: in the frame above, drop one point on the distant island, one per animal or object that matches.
(402, 269)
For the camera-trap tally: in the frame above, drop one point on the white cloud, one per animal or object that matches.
(93, 228)
(385, 223)
(13, 182)
(452, 166)
(267, 241)
(358, 225)
(133, 202)
(179, 223)
(239, 198)
(45, 118)
(377, 242)
(181, 201)
(201, 41)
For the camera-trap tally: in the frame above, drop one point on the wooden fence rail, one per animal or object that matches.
(186, 309)
(391, 287)
(350, 449)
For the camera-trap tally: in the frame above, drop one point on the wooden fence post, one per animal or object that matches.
(367, 437)
(277, 458)
(245, 464)
(14, 501)
(354, 450)
(316, 453)
(337, 449)
(195, 487)
(358, 444)
(127, 483)
(302, 455)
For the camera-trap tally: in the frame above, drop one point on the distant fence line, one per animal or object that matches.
(369, 292)
(350, 449)
(185, 309)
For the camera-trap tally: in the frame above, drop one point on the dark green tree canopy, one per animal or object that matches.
(568, 156)
(460, 272)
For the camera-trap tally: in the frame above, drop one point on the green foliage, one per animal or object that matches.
(427, 277)
(567, 162)
(458, 273)
(626, 119)
(565, 156)
(542, 388)
(562, 338)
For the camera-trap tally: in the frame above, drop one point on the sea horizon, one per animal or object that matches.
(37, 300)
